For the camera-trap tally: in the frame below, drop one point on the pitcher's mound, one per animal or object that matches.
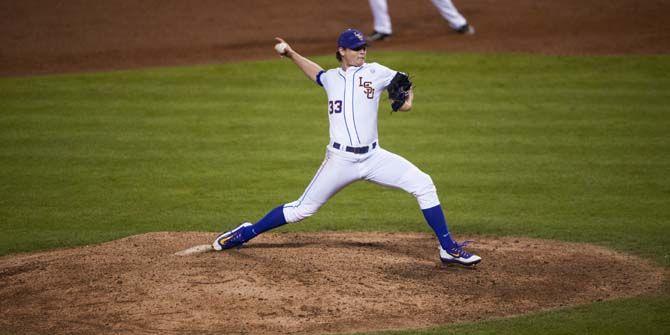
(301, 283)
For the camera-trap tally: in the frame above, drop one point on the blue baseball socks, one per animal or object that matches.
(271, 220)
(275, 218)
(435, 218)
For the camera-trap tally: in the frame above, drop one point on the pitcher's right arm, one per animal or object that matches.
(307, 66)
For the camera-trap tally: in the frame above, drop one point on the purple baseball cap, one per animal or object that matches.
(351, 39)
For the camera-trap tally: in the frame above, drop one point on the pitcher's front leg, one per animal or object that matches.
(388, 169)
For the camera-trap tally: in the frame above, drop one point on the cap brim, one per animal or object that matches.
(358, 45)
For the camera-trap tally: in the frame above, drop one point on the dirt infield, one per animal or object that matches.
(78, 35)
(301, 283)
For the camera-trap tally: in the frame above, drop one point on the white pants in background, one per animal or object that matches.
(382, 20)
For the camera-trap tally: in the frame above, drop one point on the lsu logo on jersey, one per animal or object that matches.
(368, 89)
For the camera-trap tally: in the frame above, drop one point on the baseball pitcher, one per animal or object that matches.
(354, 152)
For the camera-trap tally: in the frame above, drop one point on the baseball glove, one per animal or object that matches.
(399, 90)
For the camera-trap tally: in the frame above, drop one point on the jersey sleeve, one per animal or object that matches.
(385, 75)
(320, 77)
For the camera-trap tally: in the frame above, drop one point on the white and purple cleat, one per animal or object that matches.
(456, 255)
(230, 239)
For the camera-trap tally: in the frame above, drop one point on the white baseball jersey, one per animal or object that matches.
(353, 152)
(353, 100)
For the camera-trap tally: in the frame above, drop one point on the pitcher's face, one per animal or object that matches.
(354, 57)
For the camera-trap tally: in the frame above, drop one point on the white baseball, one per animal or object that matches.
(281, 47)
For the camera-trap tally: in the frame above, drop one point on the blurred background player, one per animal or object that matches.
(382, 20)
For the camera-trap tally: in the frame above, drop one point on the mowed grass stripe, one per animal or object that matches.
(564, 147)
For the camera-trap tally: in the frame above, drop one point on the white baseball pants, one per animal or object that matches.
(340, 168)
(382, 20)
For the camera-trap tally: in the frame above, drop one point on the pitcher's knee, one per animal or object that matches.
(423, 184)
(426, 192)
(297, 211)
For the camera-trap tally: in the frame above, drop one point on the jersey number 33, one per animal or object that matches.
(334, 106)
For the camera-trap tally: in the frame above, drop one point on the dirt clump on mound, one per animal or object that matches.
(305, 283)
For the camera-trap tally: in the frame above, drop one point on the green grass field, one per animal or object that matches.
(566, 148)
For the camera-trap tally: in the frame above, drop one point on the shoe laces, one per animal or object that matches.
(238, 236)
(235, 238)
(458, 249)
